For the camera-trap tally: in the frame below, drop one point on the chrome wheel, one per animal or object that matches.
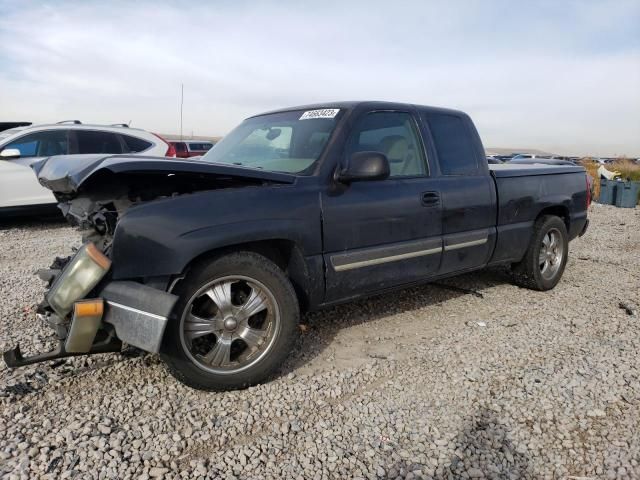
(551, 254)
(229, 324)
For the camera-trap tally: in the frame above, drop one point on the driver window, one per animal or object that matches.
(41, 144)
(395, 135)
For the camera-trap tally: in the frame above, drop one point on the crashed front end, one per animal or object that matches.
(89, 313)
(92, 305)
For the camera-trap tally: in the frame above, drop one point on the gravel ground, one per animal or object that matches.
(469, 378)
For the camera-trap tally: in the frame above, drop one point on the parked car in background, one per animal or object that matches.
(21, 147)
(541, 161)
(189, 148)
(492, 159)
(604, 160)
(524, 156)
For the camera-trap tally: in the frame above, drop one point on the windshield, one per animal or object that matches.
(288, 142)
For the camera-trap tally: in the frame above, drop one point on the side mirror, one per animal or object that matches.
(364, 166)
(9, 153)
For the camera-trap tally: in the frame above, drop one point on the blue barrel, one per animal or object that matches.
(607, 192)
(627, 194)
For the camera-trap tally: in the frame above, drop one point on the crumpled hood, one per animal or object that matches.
(65, 174)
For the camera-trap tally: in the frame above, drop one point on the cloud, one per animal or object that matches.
(561, 76)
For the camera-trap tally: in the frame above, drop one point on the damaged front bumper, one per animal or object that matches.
(116, 312)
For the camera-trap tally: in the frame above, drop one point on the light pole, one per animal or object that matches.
(181, 103)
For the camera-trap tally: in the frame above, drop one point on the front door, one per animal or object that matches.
(18, 182)
(379, 234)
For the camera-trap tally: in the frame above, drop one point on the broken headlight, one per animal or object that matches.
(83, 272)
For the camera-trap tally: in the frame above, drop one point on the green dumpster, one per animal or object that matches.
(626, 195)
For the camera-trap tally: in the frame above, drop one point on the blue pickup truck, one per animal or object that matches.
(210, 262)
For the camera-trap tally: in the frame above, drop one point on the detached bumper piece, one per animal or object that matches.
(124, 312)
(80, 340)
(13, 358)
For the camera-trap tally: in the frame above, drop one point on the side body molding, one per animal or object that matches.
(370, 256)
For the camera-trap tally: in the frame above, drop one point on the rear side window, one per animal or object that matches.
(97, 142)
(134, 144)
(180, 147)
(453, 143)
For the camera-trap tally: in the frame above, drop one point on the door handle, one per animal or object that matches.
(430, 198)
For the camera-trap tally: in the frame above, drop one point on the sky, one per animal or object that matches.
(561, 76)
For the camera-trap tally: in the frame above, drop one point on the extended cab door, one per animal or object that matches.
(467, 191)
(379, 234)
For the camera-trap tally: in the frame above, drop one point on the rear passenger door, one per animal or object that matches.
(467, 191)
(94, 141)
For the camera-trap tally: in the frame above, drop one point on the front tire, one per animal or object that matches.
(234, 324)
(544, 262)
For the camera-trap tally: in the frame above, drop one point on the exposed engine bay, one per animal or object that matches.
(97, 206)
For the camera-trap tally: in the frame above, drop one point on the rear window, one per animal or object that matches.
(202, 147)
(97, 142)
(135, 144)
(453, 143)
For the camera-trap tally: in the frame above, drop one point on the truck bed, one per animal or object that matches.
(522, 195)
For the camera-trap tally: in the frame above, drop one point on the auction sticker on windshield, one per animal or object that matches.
(324, 113)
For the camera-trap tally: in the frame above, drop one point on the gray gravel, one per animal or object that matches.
(431, 382)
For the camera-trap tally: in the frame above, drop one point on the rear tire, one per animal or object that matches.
(545, 259)
(234, 324)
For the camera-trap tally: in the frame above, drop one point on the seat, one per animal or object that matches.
(396, 148)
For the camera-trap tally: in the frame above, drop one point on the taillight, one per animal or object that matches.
(171, 151)
(588, 191)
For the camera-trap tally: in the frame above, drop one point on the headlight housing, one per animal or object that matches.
(83, 272)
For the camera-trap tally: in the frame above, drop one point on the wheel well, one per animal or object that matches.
(284, 253)
(558, 211)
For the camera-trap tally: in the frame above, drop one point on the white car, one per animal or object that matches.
(20, 147)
